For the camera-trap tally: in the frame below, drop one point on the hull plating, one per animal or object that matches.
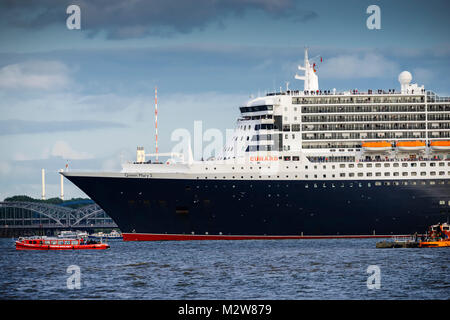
(175, 209)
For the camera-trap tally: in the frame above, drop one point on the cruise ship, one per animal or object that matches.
(301, 164)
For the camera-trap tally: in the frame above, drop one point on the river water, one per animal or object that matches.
(259, 269)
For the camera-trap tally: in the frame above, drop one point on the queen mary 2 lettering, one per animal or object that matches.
(300, 164)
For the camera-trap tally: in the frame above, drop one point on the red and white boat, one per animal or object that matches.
(47, 243)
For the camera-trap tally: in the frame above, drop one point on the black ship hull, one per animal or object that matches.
(182, 209)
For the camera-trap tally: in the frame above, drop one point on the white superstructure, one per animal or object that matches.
(315, 134)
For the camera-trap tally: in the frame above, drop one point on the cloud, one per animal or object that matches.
(44, 75)
(422, 75)
(368, 65)
(5, 168)
(139, 18)
(9, 127)
(63, 150)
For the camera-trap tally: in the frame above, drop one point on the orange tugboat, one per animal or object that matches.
(437, 236)
(46, 243)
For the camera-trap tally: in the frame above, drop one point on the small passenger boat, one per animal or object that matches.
(113, 235)
(47, 243)
(73, 234)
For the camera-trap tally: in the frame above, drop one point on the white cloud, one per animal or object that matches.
(44, 75)
(369, 65)
(63, 150)
(5, 168)
(422, 75)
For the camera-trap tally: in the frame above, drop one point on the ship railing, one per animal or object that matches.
(402, 160)
(405, 239)
(433, 97)
(349, 92)
(323, 159)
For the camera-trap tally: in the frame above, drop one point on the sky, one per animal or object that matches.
(85, 97)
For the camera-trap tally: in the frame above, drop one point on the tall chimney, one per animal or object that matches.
(156, 123)
(62, 185)
(43, 184)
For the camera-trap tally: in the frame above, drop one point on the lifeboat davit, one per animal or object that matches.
(411, 145)
(377, 146)
(442, 145)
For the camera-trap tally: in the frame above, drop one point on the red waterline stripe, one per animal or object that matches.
(185, 237)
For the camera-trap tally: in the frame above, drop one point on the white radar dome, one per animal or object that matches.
(405, 78)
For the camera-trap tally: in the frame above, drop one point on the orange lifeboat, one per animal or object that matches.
(377, 146)
(442, 145)
(411, 145)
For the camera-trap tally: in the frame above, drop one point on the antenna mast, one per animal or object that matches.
(156, 123)
(311, 82)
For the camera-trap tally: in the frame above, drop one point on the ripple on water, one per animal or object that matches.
(297, 269)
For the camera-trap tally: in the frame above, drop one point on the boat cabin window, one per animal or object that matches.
(47, 242)
(60, 242)
(67, 242)
(74, 242)
(54, 242)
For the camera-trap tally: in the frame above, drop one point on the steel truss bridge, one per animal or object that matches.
(37, 215)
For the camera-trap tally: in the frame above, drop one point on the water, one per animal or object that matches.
(286, 269)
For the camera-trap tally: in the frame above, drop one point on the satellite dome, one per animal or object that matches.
(405, 77)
